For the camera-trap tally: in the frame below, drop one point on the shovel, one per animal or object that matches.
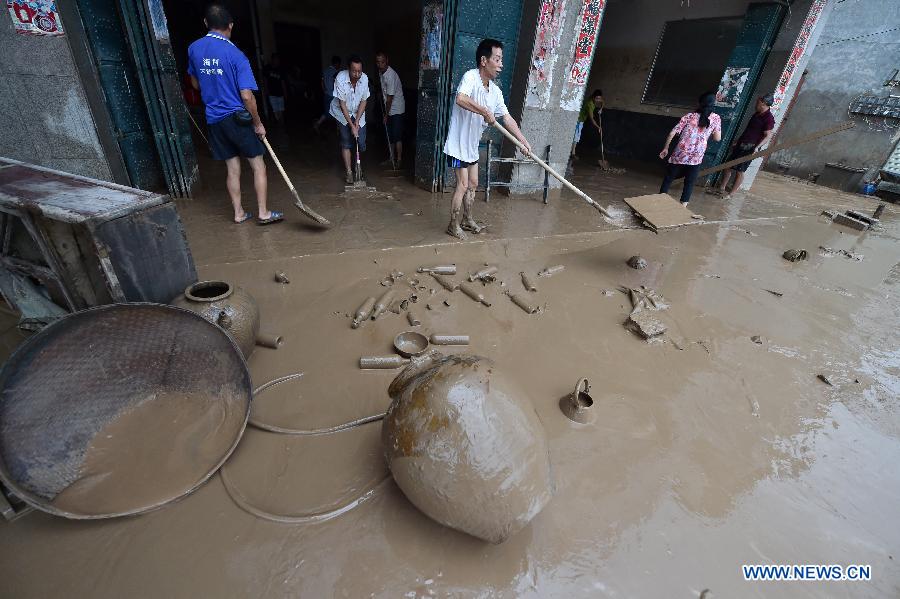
(305, 210)
(549, 169)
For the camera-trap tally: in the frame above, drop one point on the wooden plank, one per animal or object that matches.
(788, 144)
(661, 211)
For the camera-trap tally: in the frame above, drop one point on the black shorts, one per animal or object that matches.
(740, 151)
(228, 139)
(395, 128)
(457, 163)
(348, 142)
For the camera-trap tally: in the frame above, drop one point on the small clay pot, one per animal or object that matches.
(577, 406)
(637, 262)
(466, 446)
(230, 307)
(795, 255)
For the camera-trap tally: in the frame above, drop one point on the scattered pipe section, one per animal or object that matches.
(382, 362)
(474, 293)
(449, 340)
(522, 303)
(363, 312)
(551, 270)
(527, 282)
(413, 319)
(448, 269)
(382, 304)
(269, 340)
(446, 282)
(484, 273)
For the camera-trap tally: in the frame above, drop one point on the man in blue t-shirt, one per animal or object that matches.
(222, 74)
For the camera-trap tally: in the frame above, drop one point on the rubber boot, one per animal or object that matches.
(453, 228)
(468, 223)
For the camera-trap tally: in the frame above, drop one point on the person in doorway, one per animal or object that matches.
(394, 105)
(351, 93)
(277, 88)
(226, 83)
(695, 128)
(590, 111)
(328, 76)
(478, 103)
(755, 137)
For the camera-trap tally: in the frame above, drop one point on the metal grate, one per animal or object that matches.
(68, 382)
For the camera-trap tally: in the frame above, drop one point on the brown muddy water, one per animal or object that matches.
(709, 450)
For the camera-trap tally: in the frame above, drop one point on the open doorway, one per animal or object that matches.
(653, 62)
(306, 34)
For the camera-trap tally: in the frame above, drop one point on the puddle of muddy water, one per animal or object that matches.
(702, 458)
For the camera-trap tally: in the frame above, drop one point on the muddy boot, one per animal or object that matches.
(453, 228)
(468, 223)
(349, 178)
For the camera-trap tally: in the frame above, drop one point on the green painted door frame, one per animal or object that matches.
(762, 22)
(463, 24)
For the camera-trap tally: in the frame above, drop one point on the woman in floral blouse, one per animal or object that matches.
(695, 128)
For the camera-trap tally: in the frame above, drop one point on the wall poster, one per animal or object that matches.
(546, 50)
(35, 17)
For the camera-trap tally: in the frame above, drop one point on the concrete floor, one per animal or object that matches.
(710, 450)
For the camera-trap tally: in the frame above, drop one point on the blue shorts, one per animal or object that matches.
(457, 163)
(348, 142)
(228, 139)
(395, 128)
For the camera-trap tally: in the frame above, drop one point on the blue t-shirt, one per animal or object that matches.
(223, 71)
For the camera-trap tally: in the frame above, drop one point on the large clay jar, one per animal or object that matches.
(465, 445)
(228, 306)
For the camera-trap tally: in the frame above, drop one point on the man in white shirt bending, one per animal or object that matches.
(351, 91)
(394, 105)
(478, 103)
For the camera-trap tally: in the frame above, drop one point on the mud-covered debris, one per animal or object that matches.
(756, 339)
(551, 270)
(824, 379)
(795, 255)
(644, 297)
(775, 293)
(446, 303)
(404, 304)
(607, 292)
(637, 262)
(282, 278)
(386, 282)
(829, 252)
(645, 325)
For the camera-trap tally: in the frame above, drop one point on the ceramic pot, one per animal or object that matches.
(465, 445)
(228, 306)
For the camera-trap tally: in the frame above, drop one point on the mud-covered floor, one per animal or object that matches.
(710, 450)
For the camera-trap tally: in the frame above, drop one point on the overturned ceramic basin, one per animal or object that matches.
(465, 445)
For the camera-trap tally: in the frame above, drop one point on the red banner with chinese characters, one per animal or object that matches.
(588, 28)
(35, 17)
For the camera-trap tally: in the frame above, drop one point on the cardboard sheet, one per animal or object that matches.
(661, 211)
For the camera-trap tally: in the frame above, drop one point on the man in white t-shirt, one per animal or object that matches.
(394, 105)
(351, 91)
(478, 103)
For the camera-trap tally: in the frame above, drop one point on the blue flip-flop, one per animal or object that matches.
(247, 216)
(275, 218)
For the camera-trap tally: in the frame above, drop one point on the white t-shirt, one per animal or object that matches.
(343, 90)
(466, 127)
(390, 86)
